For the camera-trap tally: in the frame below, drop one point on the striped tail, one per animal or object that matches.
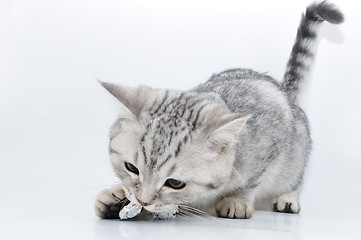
(304, 47)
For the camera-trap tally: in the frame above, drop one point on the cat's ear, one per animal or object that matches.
(225, 131)
(134, 99)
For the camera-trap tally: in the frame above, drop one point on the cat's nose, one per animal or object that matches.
(142, 203)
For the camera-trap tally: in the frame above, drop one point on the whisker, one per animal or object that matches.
(187, 218)
(189, 213)
(124, 200)
(193, 210)
(192, 218)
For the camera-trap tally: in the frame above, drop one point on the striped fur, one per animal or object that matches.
(303, 50)
(233, 140)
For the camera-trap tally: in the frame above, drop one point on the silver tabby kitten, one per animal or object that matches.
(220, 147)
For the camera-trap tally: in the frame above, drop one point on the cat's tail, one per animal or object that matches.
(304, 47)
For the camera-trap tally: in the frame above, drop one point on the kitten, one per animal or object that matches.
(220, 147)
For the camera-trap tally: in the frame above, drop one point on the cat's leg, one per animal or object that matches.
(236, 206)
(287, 203)
(109, 202)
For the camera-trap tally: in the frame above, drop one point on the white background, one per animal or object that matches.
(54, 116)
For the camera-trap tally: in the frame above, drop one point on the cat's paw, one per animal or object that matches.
(109, 202)
(287, 203)
(231, 207)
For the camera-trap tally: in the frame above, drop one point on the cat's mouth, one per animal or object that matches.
(161, 211)
(154, 208)
(167, 212)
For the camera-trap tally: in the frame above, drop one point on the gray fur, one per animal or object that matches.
(235, 139)
(303, 50)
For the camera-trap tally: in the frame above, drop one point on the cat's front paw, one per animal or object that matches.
(231, 207)
(109, 202)
(287, 203)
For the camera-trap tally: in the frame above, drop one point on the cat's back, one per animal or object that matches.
(247, 91)
(239, 74)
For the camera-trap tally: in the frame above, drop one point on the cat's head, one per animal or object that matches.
(171, 148)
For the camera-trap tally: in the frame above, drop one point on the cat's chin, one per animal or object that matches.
(169, 213)
(163, 212)
(158, 211)
(164, 215)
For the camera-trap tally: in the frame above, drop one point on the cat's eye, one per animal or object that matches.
(131, 168)
(174, 183)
